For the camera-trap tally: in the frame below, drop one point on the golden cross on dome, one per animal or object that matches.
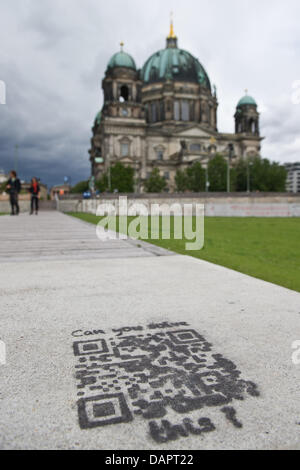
(122, 45)
(172, 34)
(246, 91)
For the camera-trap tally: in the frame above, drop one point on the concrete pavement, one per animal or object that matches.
(113, 346)
(53, 235)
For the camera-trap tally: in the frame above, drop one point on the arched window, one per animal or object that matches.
(185, 110)
(153, 112)
(147, 112)
(176, 111)
(124, 93)
(125, 147)
(161, 111)
(192, 111)
(160, 154)
(204, 112)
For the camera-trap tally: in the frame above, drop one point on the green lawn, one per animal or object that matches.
(267, 249)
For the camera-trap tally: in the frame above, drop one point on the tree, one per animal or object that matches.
(217, 173)
(196, 178)
(241, 175)
(122, 179)
(192, 179)
(264, 176)
(155, 183)
(3, 187)
(277, 178)
(267, 176)
(80, 187)
(181, 181)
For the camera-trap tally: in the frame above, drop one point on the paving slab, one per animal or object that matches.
(141, 352)
(53, 235)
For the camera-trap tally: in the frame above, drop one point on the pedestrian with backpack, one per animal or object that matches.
(35, 194)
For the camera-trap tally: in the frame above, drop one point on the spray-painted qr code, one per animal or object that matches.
(152, 373)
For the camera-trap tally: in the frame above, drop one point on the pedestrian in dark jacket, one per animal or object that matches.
(14, 188)
(35, 194)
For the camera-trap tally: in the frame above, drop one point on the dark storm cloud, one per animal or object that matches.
(50, 138)
(54, 53)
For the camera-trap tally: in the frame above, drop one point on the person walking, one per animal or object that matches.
(14, 187)
(35, 194)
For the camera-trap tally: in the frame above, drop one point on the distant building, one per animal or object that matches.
(293, 177)
(165, 116)
(60, 190)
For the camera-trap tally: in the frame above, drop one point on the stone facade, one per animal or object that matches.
(165, 116)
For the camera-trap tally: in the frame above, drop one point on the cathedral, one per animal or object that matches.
(165, 116)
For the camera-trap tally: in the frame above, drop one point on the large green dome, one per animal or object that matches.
(122, 59)
(174, 64)
(246, 100)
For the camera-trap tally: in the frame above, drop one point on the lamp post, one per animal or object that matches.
(249, 164)
(109, 173)
(212, 149)
(16, 158)
(206, 179)
(207, 183)
(230, 152)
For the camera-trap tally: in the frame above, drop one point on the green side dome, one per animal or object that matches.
(246, 100)
(174, 64)
(122, 59)
(98, 118)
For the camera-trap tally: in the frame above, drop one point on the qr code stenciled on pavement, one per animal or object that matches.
(149, 372)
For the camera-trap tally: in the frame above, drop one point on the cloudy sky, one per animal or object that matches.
(54, 53)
